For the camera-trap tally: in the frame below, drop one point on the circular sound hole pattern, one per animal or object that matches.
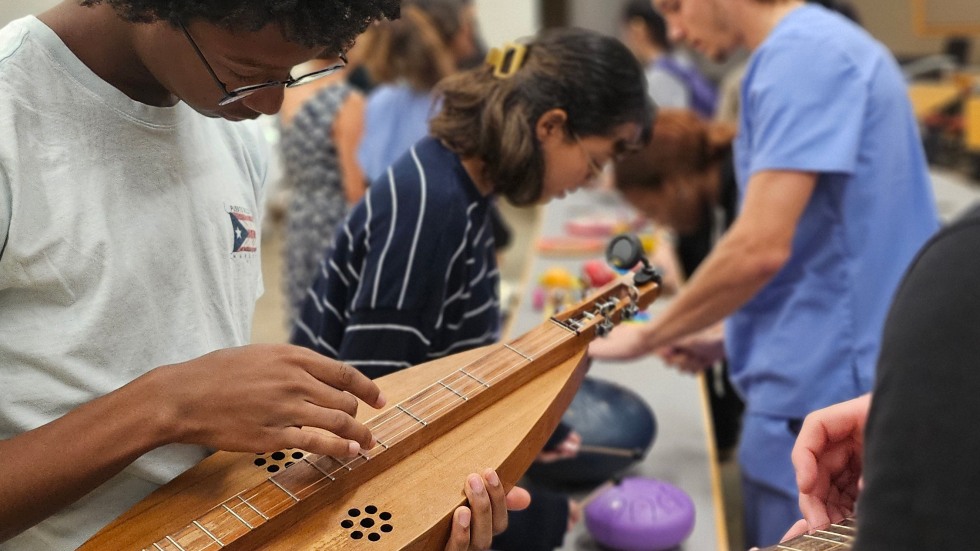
(277, 461)
(362, 527)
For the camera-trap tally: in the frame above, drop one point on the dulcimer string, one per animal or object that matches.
(833, 537)
(398, 422)
(290, 486)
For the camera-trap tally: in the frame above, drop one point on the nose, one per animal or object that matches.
(267, 102)
(674, 32)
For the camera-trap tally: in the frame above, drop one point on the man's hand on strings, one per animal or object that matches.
(827, 458)
(258, 398)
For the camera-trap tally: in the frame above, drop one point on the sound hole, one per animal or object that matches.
(368, 522)
(276, 461)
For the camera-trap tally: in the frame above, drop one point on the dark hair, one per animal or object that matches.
(446, 15)
(843, 7)
(683, 144)
(410, 49)
(332, 24)
(654, 22)
(593, 78)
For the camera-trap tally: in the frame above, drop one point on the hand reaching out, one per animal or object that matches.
(697, 352)
(625, 342)
(827, 458)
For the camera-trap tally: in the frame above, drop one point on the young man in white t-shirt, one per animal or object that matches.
(129, 259)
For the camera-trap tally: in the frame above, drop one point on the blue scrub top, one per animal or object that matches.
(820, 95)
(395, 117)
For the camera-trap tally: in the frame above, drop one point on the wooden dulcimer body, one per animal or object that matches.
(491, 407)
(836, 537)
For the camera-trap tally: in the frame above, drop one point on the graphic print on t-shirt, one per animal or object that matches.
(243, 230)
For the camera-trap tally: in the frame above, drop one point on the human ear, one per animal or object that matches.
(550, 124)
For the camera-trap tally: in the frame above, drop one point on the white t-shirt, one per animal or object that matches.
(128, 240)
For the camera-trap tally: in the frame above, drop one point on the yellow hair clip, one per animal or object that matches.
(507, 59)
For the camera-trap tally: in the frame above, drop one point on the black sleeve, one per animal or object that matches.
(922, 441)
(540, 527)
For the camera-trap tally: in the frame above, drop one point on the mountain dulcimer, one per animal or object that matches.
(491, 407)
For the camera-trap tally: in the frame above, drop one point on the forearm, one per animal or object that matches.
(729, 277)
(347, 134)
(749, 255)
(56, 464)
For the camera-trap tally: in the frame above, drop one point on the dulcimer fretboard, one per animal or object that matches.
(836, 537)
(401, 428)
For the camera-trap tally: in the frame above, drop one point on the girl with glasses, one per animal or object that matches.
(412, 275)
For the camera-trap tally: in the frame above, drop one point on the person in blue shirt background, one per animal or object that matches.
(835, 200)
(406, 59)
(672, 79)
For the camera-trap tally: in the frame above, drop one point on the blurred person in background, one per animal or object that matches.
(672, 80)
(320, 128)
(684, 181)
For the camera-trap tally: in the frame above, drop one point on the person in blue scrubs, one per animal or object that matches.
(834, 199)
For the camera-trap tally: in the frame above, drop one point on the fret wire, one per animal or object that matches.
(474, 378)
(236, 515)
(429, 411)
(417, 406)
(550, 345)
(450, 389)
(157, 545)
(410, 414)
(277, 504)
(845, 527)
(392, 416)
(317, 467)
(311, 486)
(464, 372)
(818, 538)
(518, 352)
(288, 493)
(209, 534)
(177, 545)
(498, 376)
(838, 534)
(385, 418)
(563, 326)
(249, 505)
(332, 475)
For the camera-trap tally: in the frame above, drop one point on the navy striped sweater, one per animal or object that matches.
(412, 274)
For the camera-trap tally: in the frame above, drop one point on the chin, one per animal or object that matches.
(234, 117)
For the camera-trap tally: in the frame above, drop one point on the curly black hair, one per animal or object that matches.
(332, 24)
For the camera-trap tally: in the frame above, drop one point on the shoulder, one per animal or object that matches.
(21, 65)
(814, 42)
(424, 181)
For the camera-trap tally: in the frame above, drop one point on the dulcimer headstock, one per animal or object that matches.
(621, 299)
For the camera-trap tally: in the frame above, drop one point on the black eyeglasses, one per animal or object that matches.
(231, 96)
(594, 166)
